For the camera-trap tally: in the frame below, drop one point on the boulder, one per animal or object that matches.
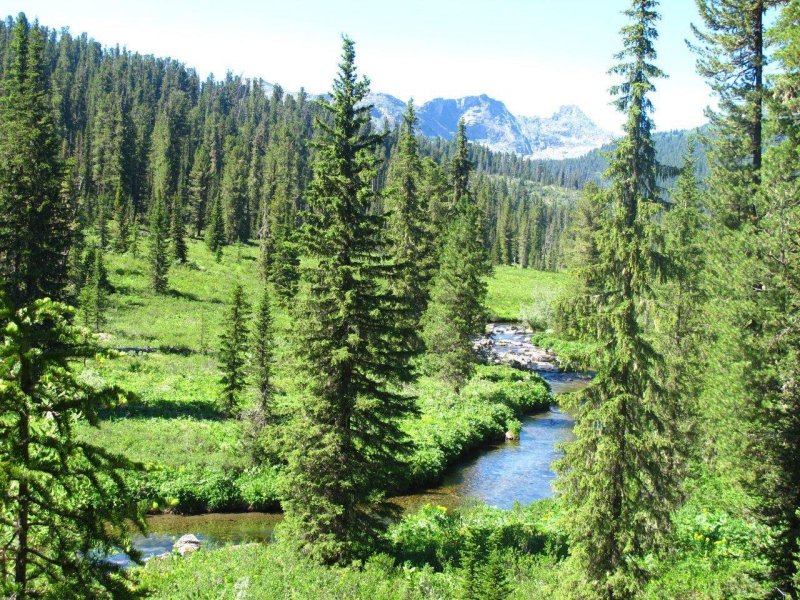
(186, 544)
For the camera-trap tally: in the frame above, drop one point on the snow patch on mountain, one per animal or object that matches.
(568, 133)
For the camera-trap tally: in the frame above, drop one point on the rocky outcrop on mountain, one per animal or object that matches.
(568, 133)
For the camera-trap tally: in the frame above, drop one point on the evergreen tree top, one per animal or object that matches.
(634, 168)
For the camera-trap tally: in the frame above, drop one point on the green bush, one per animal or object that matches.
(432, 536)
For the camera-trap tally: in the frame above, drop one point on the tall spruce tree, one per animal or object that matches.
(344, 446)
(263, 355)
(177, 231)
(215, 231)
(123, 214)
(456, 312)
(284, 271)
(410, 239)
(620, 478)
(775, 379)
(35, 218)
(159, 246)
(233, 351)
(94, 295)
(683, 295)
(731, 56)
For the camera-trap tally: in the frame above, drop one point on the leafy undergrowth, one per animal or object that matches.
(713, 556)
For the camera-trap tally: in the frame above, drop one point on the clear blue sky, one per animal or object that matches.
(534, 55)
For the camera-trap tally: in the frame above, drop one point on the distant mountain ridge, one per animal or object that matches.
(568, 133)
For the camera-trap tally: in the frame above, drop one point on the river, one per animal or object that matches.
(501, 475)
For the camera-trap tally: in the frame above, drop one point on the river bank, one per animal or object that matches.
(484, 470)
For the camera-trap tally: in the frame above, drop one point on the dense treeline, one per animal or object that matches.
(139, 128)
(572, 173)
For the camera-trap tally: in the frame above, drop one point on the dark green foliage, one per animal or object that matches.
(682, 298)
(101, 224)
(284, 271)
(263, 355)
(625, 422)
(345, 446)
(483, 572)
(159, 246)
(168, 146)
(93, 299)
(411, 245)
(63, 502)
(34, 215)
(457, 309)
(215, 232)
(460, 168)
(177, 231)
(456, 312)
(773, 343)
(234, 193)
(200, 179)
(123, 215)
(233, 351)
(88, 266)
(732, 59)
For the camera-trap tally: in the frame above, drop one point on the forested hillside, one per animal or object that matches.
(137, 128)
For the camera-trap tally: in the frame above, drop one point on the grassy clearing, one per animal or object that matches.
(515, 293)
(166, 362)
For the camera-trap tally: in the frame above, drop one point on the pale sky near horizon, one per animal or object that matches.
(533, 55)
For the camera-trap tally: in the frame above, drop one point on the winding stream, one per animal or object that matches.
(501, 475)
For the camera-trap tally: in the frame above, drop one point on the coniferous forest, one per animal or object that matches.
(262, 318)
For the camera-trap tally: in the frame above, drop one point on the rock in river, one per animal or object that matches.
(187, 544)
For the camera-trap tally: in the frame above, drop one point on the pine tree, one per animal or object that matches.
(460, 167)
(56, 523)
(434, 188)
(456, 312)
(683, 295)
(233, 351)
(101, 224)
(35, 217)
(94, 295)
(774, 378)
(470, 568)
(123, 209)
(494, 583)
(177, 231)
(159, 250)
(410, 242)
(285, 270)
(234, 206)
(263, 351)
(344, 446)
(624, 425)
(215, 231)
(199, 188)
(731, 57)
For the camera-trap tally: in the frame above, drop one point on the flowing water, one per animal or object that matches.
(500, 475)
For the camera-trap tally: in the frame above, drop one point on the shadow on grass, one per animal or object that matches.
(183, 295)
(174, 350)
(164, 409)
